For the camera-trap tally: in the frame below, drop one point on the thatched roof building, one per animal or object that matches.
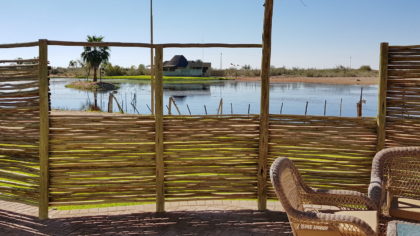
(180, 66)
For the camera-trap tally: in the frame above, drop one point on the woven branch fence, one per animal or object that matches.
(112, 158)
(403, 96)
(19, 132)
(101, 158)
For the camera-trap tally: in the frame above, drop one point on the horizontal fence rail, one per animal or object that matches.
(148, 45)
(19, 131)
(126, 44)
(20, 45)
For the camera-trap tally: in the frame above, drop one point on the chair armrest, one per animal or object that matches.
(376, 191)
(343, 223)
(343, 199)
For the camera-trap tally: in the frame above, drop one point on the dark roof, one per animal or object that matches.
(199, 64)
(176, 61)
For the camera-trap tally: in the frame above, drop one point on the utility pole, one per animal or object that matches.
(221, 60)
(152, 74)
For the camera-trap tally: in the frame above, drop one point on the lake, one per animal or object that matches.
(238, 97)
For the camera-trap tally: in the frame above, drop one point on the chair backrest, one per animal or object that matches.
(399, 169)
(403, 177)
(288, 184)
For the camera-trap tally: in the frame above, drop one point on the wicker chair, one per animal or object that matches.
(297, 198)
(395, 182)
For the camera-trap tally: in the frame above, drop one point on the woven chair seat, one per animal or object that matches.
(408, 209)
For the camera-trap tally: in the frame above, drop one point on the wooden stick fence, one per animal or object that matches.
(43, 130)
(383, 76)
(234, 139)
(47, 192)
(160, 191)
(265, 108)
(20, 145)
(84, 159)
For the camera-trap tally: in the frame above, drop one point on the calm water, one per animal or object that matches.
(239, 96)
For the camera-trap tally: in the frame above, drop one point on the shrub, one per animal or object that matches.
(365, 68)
(111, 70)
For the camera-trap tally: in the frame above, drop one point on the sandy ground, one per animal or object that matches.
(317, 80)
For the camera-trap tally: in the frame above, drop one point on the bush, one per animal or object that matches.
(111, 70)
(365, 68)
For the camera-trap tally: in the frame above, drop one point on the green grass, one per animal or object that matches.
(147, 77)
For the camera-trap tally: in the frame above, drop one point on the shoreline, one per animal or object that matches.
(317, 80)
(278, 79)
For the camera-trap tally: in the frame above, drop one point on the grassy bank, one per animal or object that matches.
(92, 86)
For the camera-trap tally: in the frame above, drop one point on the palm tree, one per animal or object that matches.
(72, 64)
(94, 56)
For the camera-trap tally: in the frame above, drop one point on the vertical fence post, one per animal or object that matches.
(152, 84)
(43, 129)
(383, 76)
(110, 102)
(160, 192)
(152, 74)
(264, 112)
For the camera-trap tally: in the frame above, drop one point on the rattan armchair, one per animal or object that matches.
(296, 199)
(395, 182)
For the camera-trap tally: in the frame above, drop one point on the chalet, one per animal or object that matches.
(180, 66)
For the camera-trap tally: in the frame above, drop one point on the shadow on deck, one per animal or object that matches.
(239, 222)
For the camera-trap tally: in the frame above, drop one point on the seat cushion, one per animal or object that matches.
(307, 232)
(370, 217)
(408, 209)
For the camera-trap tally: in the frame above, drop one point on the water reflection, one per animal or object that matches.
(287, 98)
(180, 91)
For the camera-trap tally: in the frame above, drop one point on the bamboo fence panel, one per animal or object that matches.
(19, 129)
(211, 157)
(101, 158)
(403, 96)
(330, 152)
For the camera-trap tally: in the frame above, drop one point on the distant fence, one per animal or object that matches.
(19, 131)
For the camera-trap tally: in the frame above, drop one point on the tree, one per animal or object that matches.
(111, 70)
(142, 69)
(72, 64)
(19, 61)
(94, 56)
(246, 67)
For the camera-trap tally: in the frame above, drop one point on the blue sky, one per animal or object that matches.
(306, 33)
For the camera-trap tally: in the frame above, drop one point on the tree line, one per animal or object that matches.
(95, 60)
